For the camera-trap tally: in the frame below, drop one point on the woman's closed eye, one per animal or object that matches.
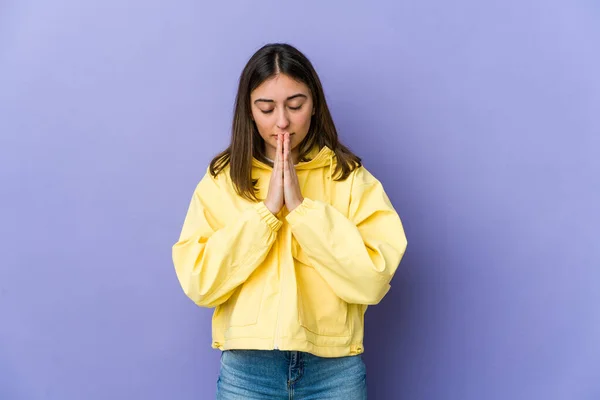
(291, 108)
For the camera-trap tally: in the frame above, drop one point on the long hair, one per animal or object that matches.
(246, 142)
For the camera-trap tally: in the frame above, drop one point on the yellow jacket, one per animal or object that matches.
(295, 281)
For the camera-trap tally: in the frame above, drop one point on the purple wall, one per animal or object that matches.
(482, 119)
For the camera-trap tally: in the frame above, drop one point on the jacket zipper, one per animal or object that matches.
(276, 340)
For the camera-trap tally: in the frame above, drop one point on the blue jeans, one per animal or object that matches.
(275, 374)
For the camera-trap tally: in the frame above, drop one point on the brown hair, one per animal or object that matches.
(246, 142)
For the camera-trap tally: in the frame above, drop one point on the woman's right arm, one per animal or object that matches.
(211, 260)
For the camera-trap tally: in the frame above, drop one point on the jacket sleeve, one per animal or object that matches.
(211, 260)
(356, 255)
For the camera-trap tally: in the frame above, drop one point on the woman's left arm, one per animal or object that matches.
(356, 255)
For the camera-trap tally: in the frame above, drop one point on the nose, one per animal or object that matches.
(282, 120)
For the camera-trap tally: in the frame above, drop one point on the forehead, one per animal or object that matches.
(279, 87)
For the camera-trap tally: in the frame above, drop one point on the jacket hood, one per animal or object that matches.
(318, 159)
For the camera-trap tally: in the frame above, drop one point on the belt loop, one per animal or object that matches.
(295, 358)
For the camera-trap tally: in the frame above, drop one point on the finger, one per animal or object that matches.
(285, 157)
(290, 159)
(278, 158)
(288, 163)
(285, 148)
(279, 144)
(292, 175)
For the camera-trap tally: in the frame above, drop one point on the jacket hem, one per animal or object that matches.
(286, 344)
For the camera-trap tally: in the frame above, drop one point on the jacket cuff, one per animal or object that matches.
(268, 217)
(298, 212)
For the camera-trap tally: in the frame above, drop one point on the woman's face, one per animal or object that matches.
(281, 104)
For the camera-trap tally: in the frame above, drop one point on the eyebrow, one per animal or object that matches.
(289, 98)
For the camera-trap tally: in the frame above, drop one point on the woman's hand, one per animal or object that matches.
(291, 188)
(284, 188)
(275, 198)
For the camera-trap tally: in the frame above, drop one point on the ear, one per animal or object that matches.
(314, 111)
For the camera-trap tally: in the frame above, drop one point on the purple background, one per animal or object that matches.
(482, 119)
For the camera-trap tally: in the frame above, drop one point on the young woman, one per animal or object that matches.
(289, 238)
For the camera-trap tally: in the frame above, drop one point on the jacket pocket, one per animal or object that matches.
(243, 307)
(320, 310)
